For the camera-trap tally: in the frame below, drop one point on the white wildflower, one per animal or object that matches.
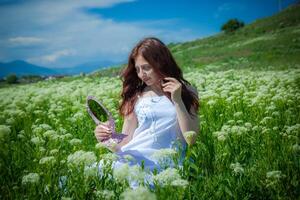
(62, 130)
(141, 193)
(66, 198)
(274, 174)
(66, 136)
(180, 183)
(240, 121)
(37, 141)
(189, 135)
(75, 141)
(110, 157)
(136, 174)
(90, 171)
(36, 130)
(10, 121)
(105, 194)
(248, 125)
(221, 135)
(42, 149)
(54, 152)
(296, 148)
(45, 127)
(4, 132)
(120, 173)
(211, 102)
(165, 156)
(47, 160)
(21, 136)
(167, 176)
(266, 120)
(276, 114)
(239, 130)
(51, 134)
(30, 178)
(238, 114)
(129, 173)
(81, 158)
(231, 122)
(237, 168)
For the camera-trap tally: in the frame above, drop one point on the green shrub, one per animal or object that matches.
(12, 78)
(232, 25)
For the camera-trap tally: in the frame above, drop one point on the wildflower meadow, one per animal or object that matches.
(247, 148)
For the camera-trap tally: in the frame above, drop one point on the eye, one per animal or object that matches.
(147, 67)
(137, 69)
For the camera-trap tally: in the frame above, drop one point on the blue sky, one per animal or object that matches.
(64, 34)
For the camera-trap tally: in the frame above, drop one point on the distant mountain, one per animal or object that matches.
(86, 67)
(20, 68)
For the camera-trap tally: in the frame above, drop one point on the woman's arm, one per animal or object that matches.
(129, 126)
(186, 121)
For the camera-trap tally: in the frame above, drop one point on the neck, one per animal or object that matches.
(156, 89)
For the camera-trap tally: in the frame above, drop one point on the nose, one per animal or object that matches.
(143, 73)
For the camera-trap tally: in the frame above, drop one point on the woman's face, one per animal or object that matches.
(146, 72)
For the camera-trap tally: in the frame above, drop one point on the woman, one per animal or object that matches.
(158, 104)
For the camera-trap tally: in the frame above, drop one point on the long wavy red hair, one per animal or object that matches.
(160, 58)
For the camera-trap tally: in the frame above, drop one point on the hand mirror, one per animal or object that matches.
(100, 115)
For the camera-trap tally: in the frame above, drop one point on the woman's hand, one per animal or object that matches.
(174, 87)
(103, 131)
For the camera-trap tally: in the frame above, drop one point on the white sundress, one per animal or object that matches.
(157, 129)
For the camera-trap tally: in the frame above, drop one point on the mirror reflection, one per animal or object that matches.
(97, 110)
(100, 115)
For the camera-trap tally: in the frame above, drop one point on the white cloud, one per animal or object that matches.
(25, 40)
(50, 58)
(60, 33)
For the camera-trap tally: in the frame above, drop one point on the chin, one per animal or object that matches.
(150, 84)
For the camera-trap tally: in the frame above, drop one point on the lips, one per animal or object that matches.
(146, 79)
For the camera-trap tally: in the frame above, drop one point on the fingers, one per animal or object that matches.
(102, 132)
(101, 136)
(105, 127)
(106, 124)
(100, 139)
(171, 82)
(167, 89)
(169, 86)
(171, 79)
(167, 83)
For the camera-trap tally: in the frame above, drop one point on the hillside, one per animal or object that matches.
(272, 42)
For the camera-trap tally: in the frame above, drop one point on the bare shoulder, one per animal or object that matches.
(192, 89)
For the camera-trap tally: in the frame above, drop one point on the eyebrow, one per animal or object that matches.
(142, 65)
